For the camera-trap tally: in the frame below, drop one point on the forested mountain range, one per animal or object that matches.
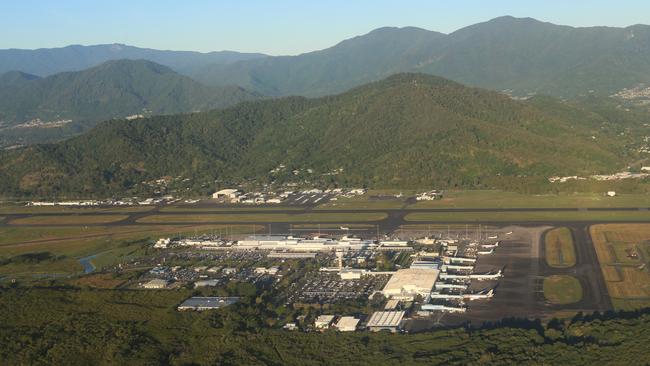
(49, 61)
(70, 102)
(522, 55)
(410, 130)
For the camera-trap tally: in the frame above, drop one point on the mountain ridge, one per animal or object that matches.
(409, 130)
(114, 89)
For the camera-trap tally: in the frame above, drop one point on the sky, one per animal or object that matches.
(275, 27)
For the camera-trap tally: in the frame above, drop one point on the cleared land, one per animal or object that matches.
(501, 199)
(562, 290)
(559, 249)
(68, 220)
(624, 254)
(25, 252)
(307, 217)
(541, 216)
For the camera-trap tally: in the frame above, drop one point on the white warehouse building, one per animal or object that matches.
(229, 193)
(406, 284)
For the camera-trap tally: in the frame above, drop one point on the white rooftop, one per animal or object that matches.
(411, 281)
(386, 319)
(347, 323)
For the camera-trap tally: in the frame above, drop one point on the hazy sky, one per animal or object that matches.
(274, 26)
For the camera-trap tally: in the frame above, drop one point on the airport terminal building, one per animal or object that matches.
(406, 284)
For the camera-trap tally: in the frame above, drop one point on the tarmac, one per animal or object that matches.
(518, 294)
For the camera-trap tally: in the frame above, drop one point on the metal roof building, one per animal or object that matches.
(347, 324)
(406, 284)
(226, 193)
(156, 283)
(385, 320)
(199, 303)
(323, 321)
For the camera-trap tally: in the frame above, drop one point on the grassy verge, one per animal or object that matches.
(541, 216)
(331, 226)
(501, 199)
(624, 255)
(19, 209)
(562, 289)
(199, 209)
(68, 220)
(559, 249)
(310, 217)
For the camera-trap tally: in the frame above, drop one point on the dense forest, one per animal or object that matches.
(115, 89)
(81, 326)
(408, 131)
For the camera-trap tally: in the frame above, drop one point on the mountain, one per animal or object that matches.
(410, 130)
(48, 61)
(380, 53)
(15, 78)
(114, 89)
(521, 54)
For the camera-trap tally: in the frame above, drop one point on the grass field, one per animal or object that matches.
(66, 245)
(559, 249)
(68, 220)
(332, 226)
(199, 209)
(501, 199)
(307, 217)
(21, 209)
(541, 216)
(562, 290)
(624, 255)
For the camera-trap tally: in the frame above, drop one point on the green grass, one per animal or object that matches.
(110, 244)
(559, 249)
(501, 199)
(68, 220)
(308, 217)
(541, 216)
(627, 279)
(21, 209)
(562, 290)
(630, 304)
(199, 209)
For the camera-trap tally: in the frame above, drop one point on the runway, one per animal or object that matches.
(393, 220)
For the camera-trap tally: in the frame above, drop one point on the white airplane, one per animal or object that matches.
(486, 276)
(488, 246)
(481, 295)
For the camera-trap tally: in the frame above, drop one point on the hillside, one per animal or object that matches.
(410, 130)
(49, 61)
(524, 55)
(114, 89)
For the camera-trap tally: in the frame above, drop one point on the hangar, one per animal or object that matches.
(406, 284)
(385, 320)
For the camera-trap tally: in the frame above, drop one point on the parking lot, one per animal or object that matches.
(307, 199)
(328, 288)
